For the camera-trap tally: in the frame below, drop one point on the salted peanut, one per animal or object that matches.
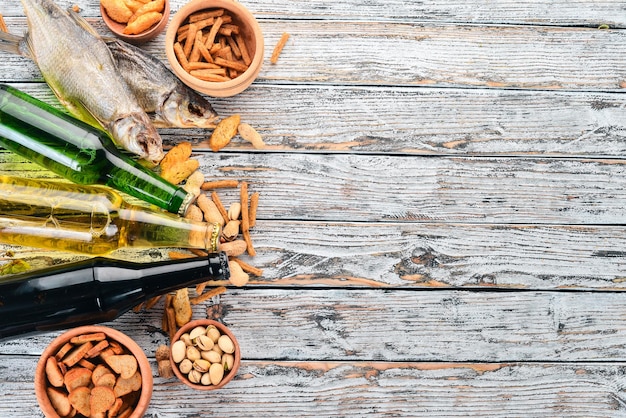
(247, 132)
(182, 307)
(124, 364)
(211, 213)
(234, 211)
(125, 386)
(53, 372)
(225, 130)
(59, 401)
(79, 398)
(194, 213)
(234, 248)
(117, 10)
(231, 230)
(193, 183)
(238, 277)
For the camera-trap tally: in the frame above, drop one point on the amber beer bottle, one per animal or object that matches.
(94, 290)
(90, 219)
(79, 152)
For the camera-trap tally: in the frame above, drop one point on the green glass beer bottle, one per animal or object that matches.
(79, 152)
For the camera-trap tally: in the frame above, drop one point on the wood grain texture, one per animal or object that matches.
(376, 389)
(441, 224)
(277, 324)
(563, 12)
(409, 54)
(348, 187)
(423, 121)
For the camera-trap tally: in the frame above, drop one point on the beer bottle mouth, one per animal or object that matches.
(187, 201)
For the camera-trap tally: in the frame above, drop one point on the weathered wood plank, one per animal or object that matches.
(400, 325)
(393, 188)
(426, 121)
(382, 53)
(574, 12)
(372, 389)
(418, 255)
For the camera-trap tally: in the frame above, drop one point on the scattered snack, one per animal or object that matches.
(225, 130)
(279, 47)
(209, 47)
(250, 134)
(89, 387)
(3, 25)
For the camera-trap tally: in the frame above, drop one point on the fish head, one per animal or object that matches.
(138, 135)
(184, 108)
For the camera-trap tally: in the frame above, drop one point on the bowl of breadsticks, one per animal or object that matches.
(215, 46)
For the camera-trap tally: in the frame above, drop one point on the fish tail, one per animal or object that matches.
(11, 43)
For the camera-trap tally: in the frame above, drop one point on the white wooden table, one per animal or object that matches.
(441, 223)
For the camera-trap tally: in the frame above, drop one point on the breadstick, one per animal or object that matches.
(219, 184)
(279, 47)
(208, 295)
(247, 267)
(254, 204)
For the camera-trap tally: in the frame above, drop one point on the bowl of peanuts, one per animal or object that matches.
(135, 21)
(215, 46)
(205, 355)
(93, 371)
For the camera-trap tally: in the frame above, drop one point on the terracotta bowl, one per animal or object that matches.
(250, 33)
(228, 376)
(41, 381)
(140, 38)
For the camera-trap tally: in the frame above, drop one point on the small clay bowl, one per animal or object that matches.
(228, 376)
(41, 380)
(140, 38)
(250, 33)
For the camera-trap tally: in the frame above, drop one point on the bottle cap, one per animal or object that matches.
(187, 201)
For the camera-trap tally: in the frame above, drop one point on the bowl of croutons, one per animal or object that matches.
(215, 46)
(135, 21)
(93, 371)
